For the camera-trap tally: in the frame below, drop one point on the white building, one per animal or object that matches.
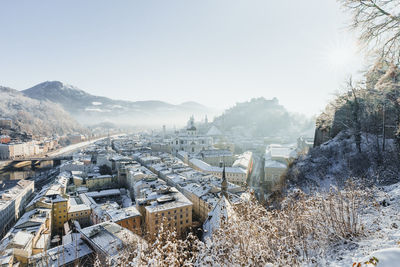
(14, 195)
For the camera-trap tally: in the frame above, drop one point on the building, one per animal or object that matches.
(29, 236)
(234, 175)
(215, 156)
(221, 213)
(6, 122)
(277, 158)
(128, 218)
(76, 138)
(245, 161)
(190, 142)
(5, 139)
(59, 212)
(75, 253)
(14, 196)
(18, 150)
(80, 213)
(165, 205)
(99, 181)
(108, 239)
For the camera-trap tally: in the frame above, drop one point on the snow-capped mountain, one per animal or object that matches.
(90, 109)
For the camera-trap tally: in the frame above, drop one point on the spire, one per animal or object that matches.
(224, 184)
(262, 181)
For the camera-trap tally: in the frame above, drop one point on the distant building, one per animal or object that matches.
(234, 175)
(6, 122)
(190, 141)
(76, 138)
(277, 158)
(14, 196)
(215, 156)
(5, 139)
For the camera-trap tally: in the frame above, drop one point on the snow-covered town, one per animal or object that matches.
(200, 133)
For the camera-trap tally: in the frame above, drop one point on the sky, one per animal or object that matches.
(215, 52)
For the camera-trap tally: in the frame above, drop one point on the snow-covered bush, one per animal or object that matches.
(302, 231)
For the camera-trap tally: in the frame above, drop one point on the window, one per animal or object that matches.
(169, 212)
(187, 221)
(181, 216)
(156, 222)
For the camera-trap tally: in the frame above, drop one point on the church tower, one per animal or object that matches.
(224, 184)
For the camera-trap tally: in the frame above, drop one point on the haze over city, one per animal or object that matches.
(216, 53)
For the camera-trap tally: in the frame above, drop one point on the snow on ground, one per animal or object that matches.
(382, 236)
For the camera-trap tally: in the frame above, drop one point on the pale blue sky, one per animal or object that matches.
(215, 52)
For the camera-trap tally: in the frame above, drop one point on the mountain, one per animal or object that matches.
(261, 117)
(91, 109)
(35, 117)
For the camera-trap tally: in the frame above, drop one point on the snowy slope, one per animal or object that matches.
(382, 233)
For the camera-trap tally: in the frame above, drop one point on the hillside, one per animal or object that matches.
(35, 117)
(260, 117)
(90, 109)
(357, 136)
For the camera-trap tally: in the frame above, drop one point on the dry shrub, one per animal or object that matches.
(302, 231)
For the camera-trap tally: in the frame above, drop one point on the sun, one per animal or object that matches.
(340, 54)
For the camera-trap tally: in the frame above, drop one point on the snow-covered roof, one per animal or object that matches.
(274, 164)
(62, 255)
(222, 212)
(78, 208)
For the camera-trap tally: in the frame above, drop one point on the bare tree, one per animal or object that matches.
(378, 22)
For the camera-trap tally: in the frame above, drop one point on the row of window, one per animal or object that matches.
(175, 224)
(169, 218)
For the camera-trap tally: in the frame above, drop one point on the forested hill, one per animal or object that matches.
(261, 117)
(31, 116)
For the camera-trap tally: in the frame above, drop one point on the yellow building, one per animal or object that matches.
(80, 213)
(99, 181)
(173, 210)
(59, 213)
(128, 218)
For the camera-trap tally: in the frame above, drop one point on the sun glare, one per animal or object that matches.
(340, 55)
